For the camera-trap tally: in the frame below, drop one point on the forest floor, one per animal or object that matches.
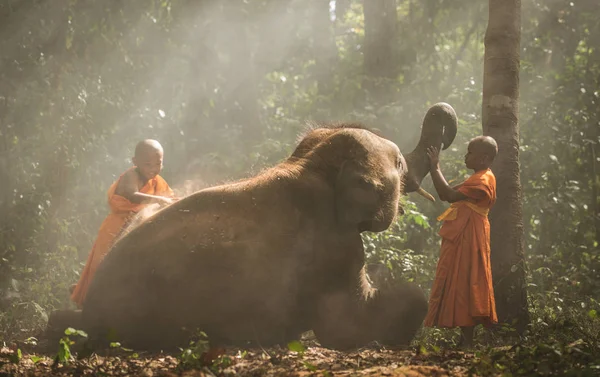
(70, 358)
(314, 361)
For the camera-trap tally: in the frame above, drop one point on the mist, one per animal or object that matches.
(227, 87)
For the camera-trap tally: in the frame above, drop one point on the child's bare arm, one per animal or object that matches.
(147, 198)
(128, 188)
(445, 192)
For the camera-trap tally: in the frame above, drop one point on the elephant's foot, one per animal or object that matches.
(339, 322)
(397, 313)
(391, 317)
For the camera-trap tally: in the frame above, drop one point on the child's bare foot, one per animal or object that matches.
(466, 338)
(487, 337)
(465, 344)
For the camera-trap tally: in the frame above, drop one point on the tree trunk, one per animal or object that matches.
(324, 47)
(381, 23)
(341, 7)
(595, 207)
(500, 113)
(241, 87)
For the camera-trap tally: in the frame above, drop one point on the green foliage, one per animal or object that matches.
(200, 356)
(300, 349)
(561, 340)
(64, 355)
(191, 357)
(297, 347)
(401, 252)
(64, 351)
(15, 357)
(542, 359)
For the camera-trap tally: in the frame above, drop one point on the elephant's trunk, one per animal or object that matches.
(439, 129)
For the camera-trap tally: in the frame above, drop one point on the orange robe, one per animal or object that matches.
(121, 211)
(462, 292)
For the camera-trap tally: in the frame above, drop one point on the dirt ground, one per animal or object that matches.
(314, 361)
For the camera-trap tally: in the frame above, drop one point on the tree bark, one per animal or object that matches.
(381, 23)
(324, 47)
(341, 7)
(595, 207)
(241, 87)
(500, 115)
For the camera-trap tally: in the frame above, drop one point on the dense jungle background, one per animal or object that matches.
(228, 86)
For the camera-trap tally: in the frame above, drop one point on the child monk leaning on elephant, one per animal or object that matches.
(462, 294)
(135, 189)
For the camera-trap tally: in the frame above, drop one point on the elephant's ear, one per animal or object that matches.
(356, 195)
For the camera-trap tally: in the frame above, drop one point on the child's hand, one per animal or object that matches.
(434, 156)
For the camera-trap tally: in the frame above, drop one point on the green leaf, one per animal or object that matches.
(31, 341)
(296, 346)
(16, 357)
(593, 314)
(72, 331)
(64, 351)
(81, 333)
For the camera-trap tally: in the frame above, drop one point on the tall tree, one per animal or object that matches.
(240, 101)
(500, 115)
(324, 47)
(381, 24)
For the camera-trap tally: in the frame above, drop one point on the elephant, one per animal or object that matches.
(264, 259)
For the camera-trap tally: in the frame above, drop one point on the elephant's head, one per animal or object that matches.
(439, 129)
(364, 170)
(367, 172)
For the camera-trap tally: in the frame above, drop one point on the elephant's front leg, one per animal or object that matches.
(361, 314)
(342, 315)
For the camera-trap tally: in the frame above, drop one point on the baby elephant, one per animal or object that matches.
(264, 259)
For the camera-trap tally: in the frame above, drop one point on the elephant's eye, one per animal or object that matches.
(399, 163)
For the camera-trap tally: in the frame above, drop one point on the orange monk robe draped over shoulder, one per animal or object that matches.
(121, 210)
(462, 292)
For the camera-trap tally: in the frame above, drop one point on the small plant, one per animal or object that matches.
(15, 357)
(119, 347)
(299, 348)
(192, 356)
(64, 355)
(220, 363)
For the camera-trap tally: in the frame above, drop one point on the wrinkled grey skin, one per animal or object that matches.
(262, 260)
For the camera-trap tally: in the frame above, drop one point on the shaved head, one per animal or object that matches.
(485, 145)
(149, 145)
(148, 158)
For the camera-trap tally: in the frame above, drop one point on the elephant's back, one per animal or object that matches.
(211, 257)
